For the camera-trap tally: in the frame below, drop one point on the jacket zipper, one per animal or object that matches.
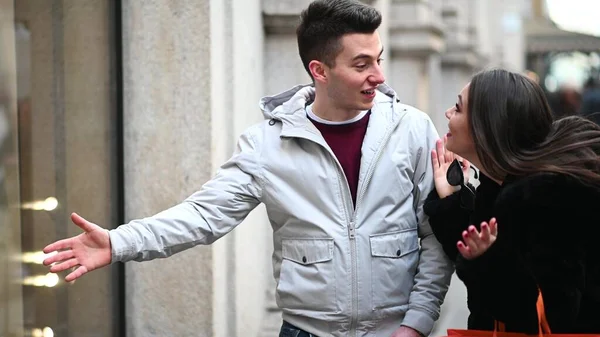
(352, 224)
(351, 221)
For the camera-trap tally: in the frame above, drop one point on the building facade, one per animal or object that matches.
(119, 109)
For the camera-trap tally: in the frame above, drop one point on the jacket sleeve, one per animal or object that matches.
(435, 269)
(216, 209)
(526, 256)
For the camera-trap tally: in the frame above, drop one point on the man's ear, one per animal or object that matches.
(318, 71)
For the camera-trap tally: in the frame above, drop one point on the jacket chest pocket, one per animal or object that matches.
(307, 276)
(394, 260)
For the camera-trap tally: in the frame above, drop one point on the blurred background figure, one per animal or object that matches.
(566, 101)
(590, 100)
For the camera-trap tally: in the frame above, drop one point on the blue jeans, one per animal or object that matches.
(288, 330)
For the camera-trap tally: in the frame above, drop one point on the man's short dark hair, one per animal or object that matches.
(325, 22)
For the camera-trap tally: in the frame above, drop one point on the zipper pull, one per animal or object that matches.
(351, 231)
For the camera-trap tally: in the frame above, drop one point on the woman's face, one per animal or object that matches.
(460, 140)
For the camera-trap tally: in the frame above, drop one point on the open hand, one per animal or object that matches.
(441, 160)
(87, 251)
(476, 243)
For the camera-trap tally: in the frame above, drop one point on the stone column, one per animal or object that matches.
(167, 152)
(415, 37)
(513, 37)
(282, 70)
(240, 272)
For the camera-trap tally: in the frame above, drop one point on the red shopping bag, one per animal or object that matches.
(499, 331)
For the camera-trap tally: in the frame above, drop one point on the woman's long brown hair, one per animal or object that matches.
(515, 133)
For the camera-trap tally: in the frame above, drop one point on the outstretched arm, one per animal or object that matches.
(221, 204)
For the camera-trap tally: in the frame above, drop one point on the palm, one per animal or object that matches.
(441, 160)
(440, 180)
(87, 251)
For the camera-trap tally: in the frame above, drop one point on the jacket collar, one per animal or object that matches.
(288, 107)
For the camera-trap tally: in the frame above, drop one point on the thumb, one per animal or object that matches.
(82, 223)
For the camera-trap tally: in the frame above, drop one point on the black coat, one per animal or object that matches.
(548, 236)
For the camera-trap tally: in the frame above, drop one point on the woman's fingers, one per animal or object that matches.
(485, 234)
(471, 238)
(464, 250)
(493, 227)
(439, 147)
(434, 160)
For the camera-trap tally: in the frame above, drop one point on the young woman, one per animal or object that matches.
(532, 224)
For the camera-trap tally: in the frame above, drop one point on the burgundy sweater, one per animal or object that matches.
(345, 141)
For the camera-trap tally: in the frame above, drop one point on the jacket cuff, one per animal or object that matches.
(120, 249)
(419, 320)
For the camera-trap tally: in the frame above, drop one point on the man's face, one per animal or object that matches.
(352, 81)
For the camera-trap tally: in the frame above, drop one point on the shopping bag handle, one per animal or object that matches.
(543, 326)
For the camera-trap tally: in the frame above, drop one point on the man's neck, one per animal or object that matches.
(331, 113)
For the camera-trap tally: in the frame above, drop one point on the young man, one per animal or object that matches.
(343, 169)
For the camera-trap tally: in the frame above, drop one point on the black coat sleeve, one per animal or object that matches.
(452, 215)
(447, 219)
(535, 249)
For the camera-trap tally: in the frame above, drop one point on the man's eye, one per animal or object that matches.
(361, 66)
(456, 106)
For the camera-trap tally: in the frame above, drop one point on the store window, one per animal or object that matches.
(58, 154)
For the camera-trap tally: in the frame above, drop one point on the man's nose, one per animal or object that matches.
(377, 77)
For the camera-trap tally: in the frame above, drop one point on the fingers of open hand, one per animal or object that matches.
(59, 257)
(493, 227)
(57, 268)
(77, 273)
(58, 245)
(471, 238)
(434, 160)
(464, 250)
(485, 233)
(474, 242)
(439, 147)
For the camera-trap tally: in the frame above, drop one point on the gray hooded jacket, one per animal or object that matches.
(340, 270)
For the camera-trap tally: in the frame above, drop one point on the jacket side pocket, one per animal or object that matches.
(307, 277)
(394, 260)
